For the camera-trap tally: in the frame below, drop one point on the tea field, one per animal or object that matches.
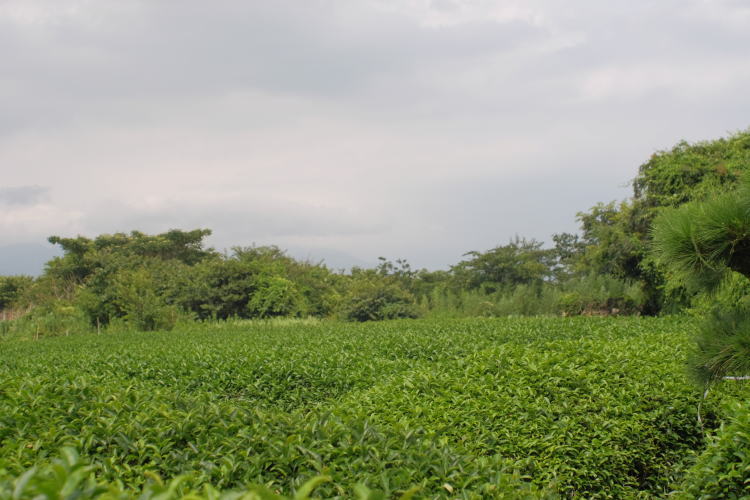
(512, 408)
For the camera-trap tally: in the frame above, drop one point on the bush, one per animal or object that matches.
(571, 304)
(12, 288)
(52, 319)
(276, 296)
(69, 476)
(521, 300)
(723, 469)
(527, 300)
(600, 295)
(140, 303)
(374, 300)
(589, 404)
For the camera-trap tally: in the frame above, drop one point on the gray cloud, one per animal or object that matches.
(22, 195)
(410, 128)
(246, 221)
(311, 47)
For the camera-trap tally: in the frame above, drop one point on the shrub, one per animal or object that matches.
(139, 302)
(723, 469)
(374, 300)
(600, 294)
(49, 320)
(589, 405)
(527, 300)
(571, 304)
(276, 296)
(12, 288)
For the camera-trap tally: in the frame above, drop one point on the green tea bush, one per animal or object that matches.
(507, 408)
(723, 469)
(70, 477)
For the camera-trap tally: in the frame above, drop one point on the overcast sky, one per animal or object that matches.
(350, 129)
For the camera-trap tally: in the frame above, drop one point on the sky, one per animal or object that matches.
(345, 130)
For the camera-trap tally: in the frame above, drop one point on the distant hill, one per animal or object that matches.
(26, 258)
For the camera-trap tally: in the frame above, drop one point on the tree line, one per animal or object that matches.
(611, 266)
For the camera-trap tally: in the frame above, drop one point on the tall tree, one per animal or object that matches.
(520, 262)
(618, 237)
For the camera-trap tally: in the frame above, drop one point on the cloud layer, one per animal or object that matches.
(412, 128)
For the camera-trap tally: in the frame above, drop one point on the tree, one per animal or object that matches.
(520, 262)
(12, 289)
(375, 299)
(617, 235)
(82, 256)
(105, 276)
(566, 255)
(276, 296)
(703, 244)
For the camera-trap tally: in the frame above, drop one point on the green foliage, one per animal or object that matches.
(701, 242)
(65, 477)
(51, 319)
(692, 171)
(600, 295)
(136, 290)
(734, 291)
(219, 288)
(70, 477)
(276, 296)
(314, 288)
(151, 281)
(722, 344)
(588, 407)
(12, 289)
(184, 246)
(567, 253)
(255, 282)
(83, 256)
(526, 300)
(520, 262)
(124, 276)
(372, 299)
(136, 295)
(704, 243)
(723, 469)
(612, 247)
(618, 237)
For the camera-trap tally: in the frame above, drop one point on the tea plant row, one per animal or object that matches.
(589, 407)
